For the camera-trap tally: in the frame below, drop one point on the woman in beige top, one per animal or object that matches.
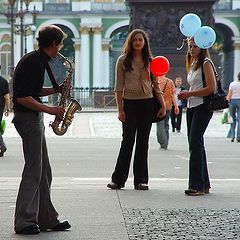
(134, 96)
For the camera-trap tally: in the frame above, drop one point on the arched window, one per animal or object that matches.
(5, 60)
(118, 38)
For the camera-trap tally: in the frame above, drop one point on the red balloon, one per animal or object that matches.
(159, 66)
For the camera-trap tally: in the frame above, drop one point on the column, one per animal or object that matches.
(35, 44)
(78, 69)
(32, 41)
(236, 57)
(17, 46)
(97, 60)
(84, 57)
(106, 65)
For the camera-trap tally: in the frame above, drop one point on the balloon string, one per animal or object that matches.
(183, 41)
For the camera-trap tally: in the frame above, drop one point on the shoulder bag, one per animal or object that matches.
(217, 100)
(156, 104)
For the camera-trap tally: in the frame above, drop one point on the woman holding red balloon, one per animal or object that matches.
(198, 118)
(134, 97)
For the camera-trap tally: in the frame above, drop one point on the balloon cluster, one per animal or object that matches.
(159, 66)
(190, 26)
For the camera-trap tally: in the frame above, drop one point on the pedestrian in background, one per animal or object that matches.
(34, 209)
(169, 94)
(198, 117)
(134, 97)
(4, 106)
(234, 109)
(176, 119)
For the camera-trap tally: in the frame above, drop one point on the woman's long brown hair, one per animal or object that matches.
(128, 50)
(189, 59)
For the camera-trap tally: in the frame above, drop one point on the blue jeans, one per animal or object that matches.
(234, 109)
(163, 130)
(176, 120)
(197, 121)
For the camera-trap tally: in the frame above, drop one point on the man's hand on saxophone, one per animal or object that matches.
(57, 111)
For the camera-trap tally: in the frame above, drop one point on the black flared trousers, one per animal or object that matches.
(136, 129)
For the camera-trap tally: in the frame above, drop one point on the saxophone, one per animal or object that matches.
(60, 126)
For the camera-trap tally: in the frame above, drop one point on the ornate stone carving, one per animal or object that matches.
(162, 24)
(84, 30)
(77, 46)
(105, 46)
(97, 30)
(160, 19)
(237, 46)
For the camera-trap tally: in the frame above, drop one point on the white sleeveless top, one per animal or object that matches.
(194, 79)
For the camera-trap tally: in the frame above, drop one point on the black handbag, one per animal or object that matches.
(156, 105)
(217, 100)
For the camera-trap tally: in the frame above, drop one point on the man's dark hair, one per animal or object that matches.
(48, 34)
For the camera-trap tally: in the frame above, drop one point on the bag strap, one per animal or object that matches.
(219, 85)
(214, 70)
(51, 76)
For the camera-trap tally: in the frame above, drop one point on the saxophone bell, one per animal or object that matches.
(72, 108)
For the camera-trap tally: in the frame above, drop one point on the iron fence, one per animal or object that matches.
(89, 98)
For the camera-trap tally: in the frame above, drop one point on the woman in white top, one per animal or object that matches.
(234, 108)
(197, 116)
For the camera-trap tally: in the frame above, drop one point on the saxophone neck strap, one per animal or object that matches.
(51, 76)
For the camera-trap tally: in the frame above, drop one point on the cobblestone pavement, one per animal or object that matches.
(182, 224)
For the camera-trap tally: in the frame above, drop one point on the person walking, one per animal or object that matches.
(169, 94)
(4, 105)
(233, 97)
(134, 97)
(198, 118)
(34, 209)
(176, 119)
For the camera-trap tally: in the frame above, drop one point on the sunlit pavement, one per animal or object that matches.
(82, 162)
(107, 125)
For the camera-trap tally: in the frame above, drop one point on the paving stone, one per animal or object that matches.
(180, 224)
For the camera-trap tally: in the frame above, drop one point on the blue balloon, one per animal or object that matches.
(205, 37)
(189, 24)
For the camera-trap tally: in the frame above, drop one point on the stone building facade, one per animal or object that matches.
(96, 32)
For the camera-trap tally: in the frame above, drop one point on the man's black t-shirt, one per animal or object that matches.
(4, 89)
(29, 78)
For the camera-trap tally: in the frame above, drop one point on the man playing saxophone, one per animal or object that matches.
(34, 210)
